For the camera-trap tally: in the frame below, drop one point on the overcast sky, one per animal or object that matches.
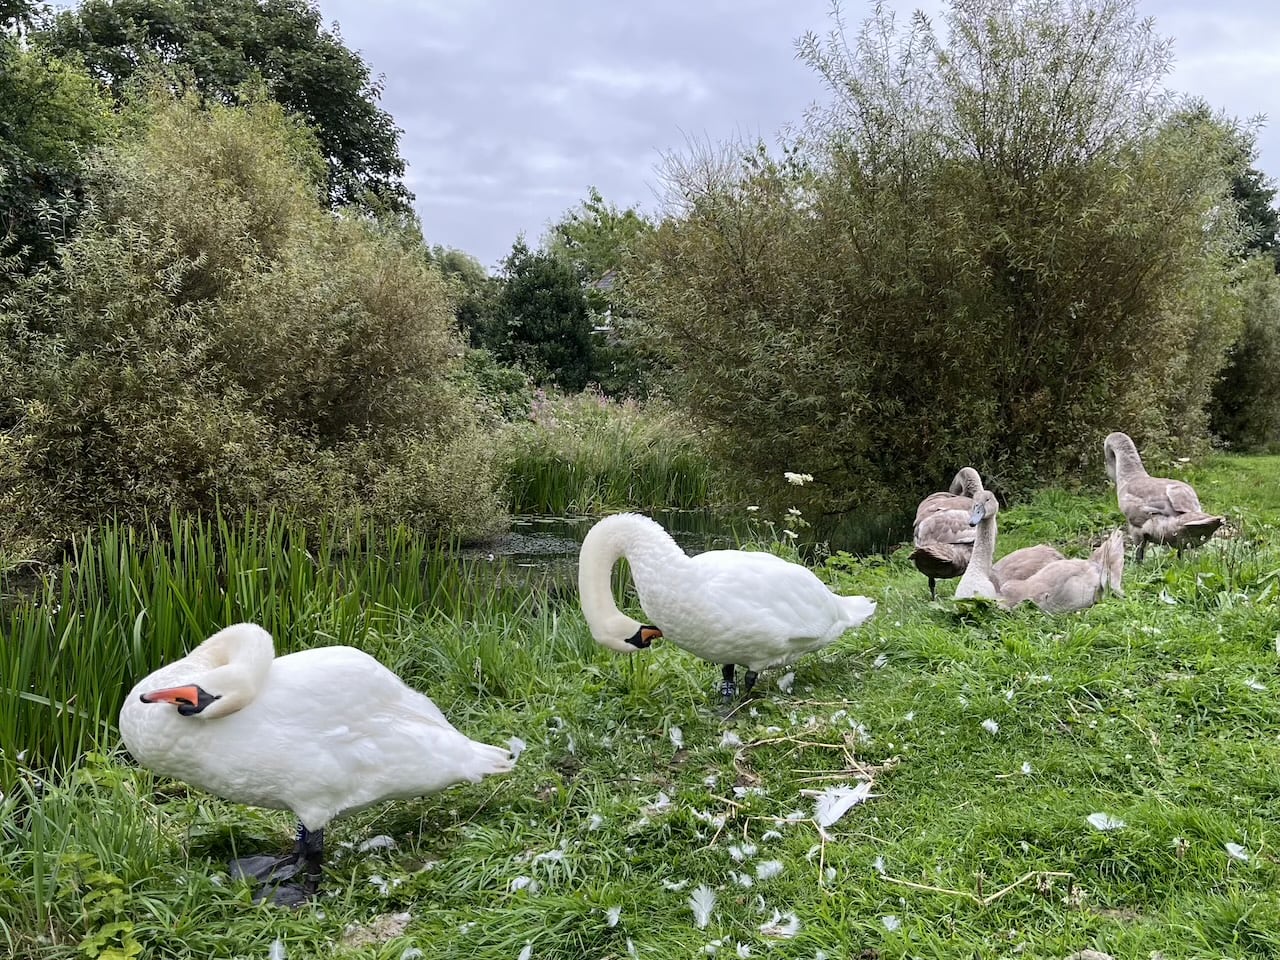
(512, 109)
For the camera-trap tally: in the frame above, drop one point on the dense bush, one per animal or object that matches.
(992, 252)
(213, 333)
(1246, 401)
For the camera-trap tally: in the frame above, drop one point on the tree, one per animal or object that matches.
(221, 45)
(541, 320)
(212, 335)
(51, 115)
(989, 250)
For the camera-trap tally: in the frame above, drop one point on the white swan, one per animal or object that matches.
(322, 732)
(1158, 510)
(732, 607)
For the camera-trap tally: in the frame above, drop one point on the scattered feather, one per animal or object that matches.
(631, 949)
(1253, 683)
(878, 864)
(596, 822)
(612, 916)
(517, 747)
(742, 852)
(1165, 597)
(554, 856)
(880, 661)
(702, 901)
(830, 874)
(990, 726)
(770, 835)
(741, 879)
(1237, 852)
(661, 803)
(382, 885)
(787, 681)
(411, 953)
(379, 930)
(676, 885)
(677, 737)
(730, 739)
(781, 925)
(380, 842)
(909, 716)
(795, 816)
(715, 819)
(834, 802)
(527, 952)
(891, 923)
(523, 883)
(277, 951)
(1104, 821)
(743, 950)
(768, 869)
(1026, 768)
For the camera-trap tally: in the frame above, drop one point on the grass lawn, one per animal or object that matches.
(991, 739)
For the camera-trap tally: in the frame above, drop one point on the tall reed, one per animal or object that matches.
(131, 599)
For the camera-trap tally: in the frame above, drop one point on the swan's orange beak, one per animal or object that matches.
(189, 699)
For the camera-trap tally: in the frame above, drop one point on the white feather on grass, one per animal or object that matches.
(613, 915)
(677, 737)
(1104, 821)
(526, 953)
(702, 901)
(781, 925)
(834, 802)
(768, 869)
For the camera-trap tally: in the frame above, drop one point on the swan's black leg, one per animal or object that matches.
(728, 689)
(933, 589)
(302, 871)
(748, 682)
(1142, 548)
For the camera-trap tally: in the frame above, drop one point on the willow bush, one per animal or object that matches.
(213, 335)
(991, 250)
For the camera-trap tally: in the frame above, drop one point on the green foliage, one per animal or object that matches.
(51, 113)
(503, 393)
(212, 333)
(222, 45)
(588, 453)
(991, 250)
(540, 319)
(1246, 400)
(1146, 708)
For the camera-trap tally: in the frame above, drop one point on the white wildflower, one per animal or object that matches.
(799, 479)
(612, 916)
(782, 925)
(768, 869)
(1237, 852)
(789, 533)
(891, 923)
(990, 726)
(786, 681)
(793, 511)
(702, 901)
(834, 802)
(1104, 821)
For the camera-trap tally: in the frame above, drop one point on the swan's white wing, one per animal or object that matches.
(760, 595)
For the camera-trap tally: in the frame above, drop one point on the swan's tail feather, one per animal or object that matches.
(1202, 523)
(490, 760)
(858, 609)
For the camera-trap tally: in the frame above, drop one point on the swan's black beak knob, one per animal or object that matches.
(644, 637)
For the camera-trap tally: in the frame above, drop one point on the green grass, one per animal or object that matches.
(586, 453)
(1140, 708)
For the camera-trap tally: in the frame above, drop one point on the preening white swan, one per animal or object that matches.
(1158, 510)
(732, 607)
(321, 732)
(942, 535)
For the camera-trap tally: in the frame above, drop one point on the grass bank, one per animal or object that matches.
(991, 741)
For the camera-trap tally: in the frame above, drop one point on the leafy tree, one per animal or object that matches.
(50, 114)
(213, 334)
(541, 320)
(475, 292)
(1246, 400)
(988, 250)
(221, 45)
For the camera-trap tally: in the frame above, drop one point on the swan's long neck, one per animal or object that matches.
(1126, 461)
(233, 665)
(652, 555)
(984, 547)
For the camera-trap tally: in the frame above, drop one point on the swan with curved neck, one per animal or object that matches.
(731, 607)
(942, 535)
(977, 580)
(322, 732)
(1158, 510)
(1068, 585)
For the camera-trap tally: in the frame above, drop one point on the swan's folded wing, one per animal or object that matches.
(759, 594)
(1182, 497)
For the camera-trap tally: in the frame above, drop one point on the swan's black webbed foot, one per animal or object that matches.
(749, 681)
(729, 688)
(290, 880)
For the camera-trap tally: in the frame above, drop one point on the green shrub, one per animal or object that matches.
(213, 334)
(586, 452)
(1246, 400)
(988, 252)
